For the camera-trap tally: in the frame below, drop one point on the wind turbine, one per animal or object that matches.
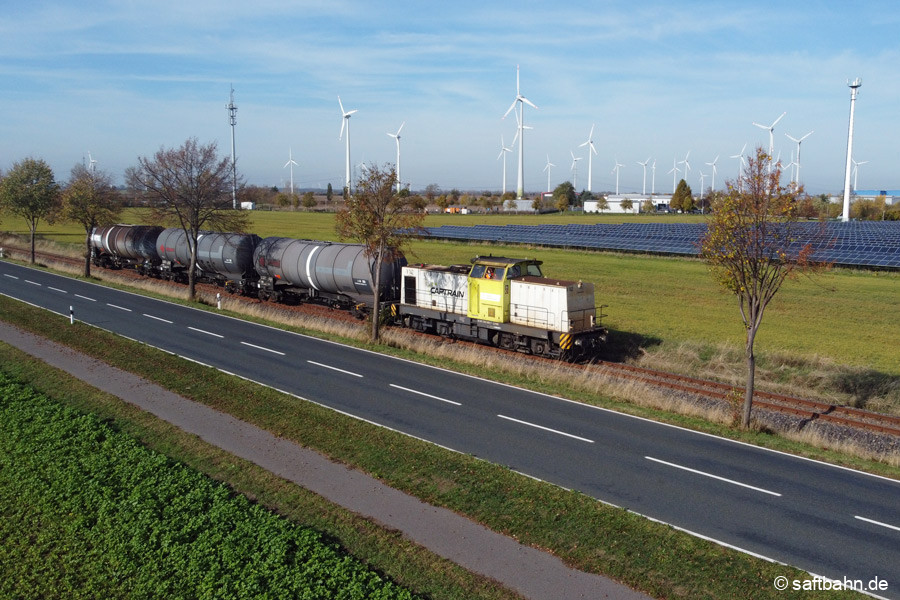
(714, 169)
(547, 168)
(687, 166)
(675, 171)
(590, 144)
(771, 129)
(856, 173)
(653, 179)
(91, 163)
(521, 101)
(290, 163)
(574, 168)
(616, 171)
(644, 165)
(703, 177)
(740, 155)
(798, 142)
(396, 136)
(503, 151)
(345, 122)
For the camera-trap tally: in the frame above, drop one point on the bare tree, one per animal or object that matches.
(190, 187)
(377, 217)
(91, 201)
(29, 191)
(752, 246)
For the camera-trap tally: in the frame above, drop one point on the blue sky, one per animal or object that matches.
(657, 79)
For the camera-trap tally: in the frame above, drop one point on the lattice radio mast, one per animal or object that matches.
(232, 113)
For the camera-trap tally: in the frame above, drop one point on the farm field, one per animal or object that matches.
(90, 512)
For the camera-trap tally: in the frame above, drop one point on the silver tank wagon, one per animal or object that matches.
(334, 271)
(221, 256)
(124, 245)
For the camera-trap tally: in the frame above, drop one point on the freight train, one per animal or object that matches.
(503, 302)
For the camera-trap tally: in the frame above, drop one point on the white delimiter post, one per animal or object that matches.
(845, 216)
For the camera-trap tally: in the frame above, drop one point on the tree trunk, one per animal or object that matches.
(33, 226)
(192, 269)
(751, 374)
(376, 313)
(87, 256)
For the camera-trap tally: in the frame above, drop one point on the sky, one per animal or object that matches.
(655, 79)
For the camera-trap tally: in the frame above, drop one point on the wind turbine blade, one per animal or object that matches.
(526, 101)
(592, 147)
(343, 124)
(401, 127)
(766, 127)
(805, 136)
(354, 111)
(778, 119)
(511, 107)
(341, 104)
(584, 144)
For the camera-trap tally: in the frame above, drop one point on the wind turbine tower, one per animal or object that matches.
(590, 144)
(798, 142)
(503, 150)
(232, 117)
(644, 165)
(290, 163)
(345, 122)
(547, 168)
(521, 101)
(396, 136)
(653, 178)
(675, 171)
(740, 156)
(854, 90)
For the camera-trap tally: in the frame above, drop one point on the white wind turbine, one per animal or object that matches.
(644, 165)
(396, 136)
(290, 163)
(675, 171)
(714, 170)
(687, 166)
(547, 168)
(653, 178)
(91, 163)
(856, 173)
(798, 142)
(521, 101)
(740, 155)
(574, 168)
(616, 171)
(771, 129)
(590, 144)
(345, 122)
(703, 177)
(503, 150)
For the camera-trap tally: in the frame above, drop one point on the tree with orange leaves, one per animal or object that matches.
(753, 244)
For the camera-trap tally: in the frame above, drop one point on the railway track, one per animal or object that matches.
(804, 409)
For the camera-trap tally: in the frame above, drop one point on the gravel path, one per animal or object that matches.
(532, 573)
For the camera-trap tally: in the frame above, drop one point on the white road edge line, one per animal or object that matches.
(411, 391)
(157, 318)
(84, 297)
(119, 307)
(312, 362)
(894, 527)
(206, 332)
(731, 481)
(547, 429)
(262, 348)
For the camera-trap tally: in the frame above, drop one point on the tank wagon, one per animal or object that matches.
(324, 272)
(120, 246)
(504, 302)
(223, 258)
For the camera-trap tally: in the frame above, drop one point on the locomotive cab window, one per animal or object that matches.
(535, 270)
(477, 272)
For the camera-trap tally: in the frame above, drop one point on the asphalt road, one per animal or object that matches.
(833, 522)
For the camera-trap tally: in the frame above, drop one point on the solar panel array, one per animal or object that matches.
(857, 243)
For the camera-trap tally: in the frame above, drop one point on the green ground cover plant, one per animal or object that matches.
(88, 512)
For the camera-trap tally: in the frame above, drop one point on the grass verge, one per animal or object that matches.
(589, 535)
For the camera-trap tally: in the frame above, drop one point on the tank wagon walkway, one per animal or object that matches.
(533, 573)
